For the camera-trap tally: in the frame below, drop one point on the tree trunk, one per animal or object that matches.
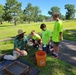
(29, 21)
(14, 19)
(14, 22)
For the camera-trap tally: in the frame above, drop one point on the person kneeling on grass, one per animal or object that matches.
(36, 39)
(20, 44)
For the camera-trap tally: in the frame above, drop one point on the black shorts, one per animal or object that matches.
(38, 41)
(56, 43)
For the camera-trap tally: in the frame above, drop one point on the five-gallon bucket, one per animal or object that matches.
(41, 58)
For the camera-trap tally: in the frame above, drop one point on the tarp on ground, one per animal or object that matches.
(33, 70)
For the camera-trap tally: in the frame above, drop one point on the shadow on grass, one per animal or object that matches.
(70, 34)
(72, 30)
(5, 25)
(12, 38)
(58, 67)
(7, 51)
(53, 67)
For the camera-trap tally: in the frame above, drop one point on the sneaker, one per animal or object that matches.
(51, 49)
(56, 56)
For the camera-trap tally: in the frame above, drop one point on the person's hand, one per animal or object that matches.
(22, 53)
(40, 42)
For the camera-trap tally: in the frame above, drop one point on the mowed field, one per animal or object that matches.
(8, 30)
(53, 66)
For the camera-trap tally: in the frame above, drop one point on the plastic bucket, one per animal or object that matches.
(41, 58)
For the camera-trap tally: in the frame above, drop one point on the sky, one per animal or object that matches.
(45, 5)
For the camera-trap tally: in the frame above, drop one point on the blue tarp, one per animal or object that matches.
(33, 70)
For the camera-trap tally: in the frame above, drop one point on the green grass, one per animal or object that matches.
(9, 30)
(70, 34)
(53, 66)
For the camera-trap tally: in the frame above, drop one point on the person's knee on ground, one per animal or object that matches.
(16, 53)
(25, 53)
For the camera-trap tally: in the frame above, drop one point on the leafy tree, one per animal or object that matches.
(1, 13)
(14, 8)
(31, 13)
(41, 18)
(22, 17)
(28, 11)
(62, 17)
(7, 15)
(46, 18)
(53, 10)
(36, 12)
(70, 14)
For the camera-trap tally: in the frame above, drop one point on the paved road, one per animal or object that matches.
(68, 52)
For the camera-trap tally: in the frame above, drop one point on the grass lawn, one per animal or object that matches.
(53, 67)
(70, 34)
(9, 30)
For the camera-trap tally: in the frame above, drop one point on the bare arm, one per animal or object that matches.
(18, 50)
(40, 40)
(61, 34)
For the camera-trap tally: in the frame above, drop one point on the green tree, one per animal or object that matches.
(28, 11)
(70, 14)
(7, 15)
(46, 18)
(62, 17)
(31, 12)
(41, 18)
(53, 10)
(14, 8)
(36, 12)
(1, 13)
(22, 17)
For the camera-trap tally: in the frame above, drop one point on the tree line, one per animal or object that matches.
(12, 11)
